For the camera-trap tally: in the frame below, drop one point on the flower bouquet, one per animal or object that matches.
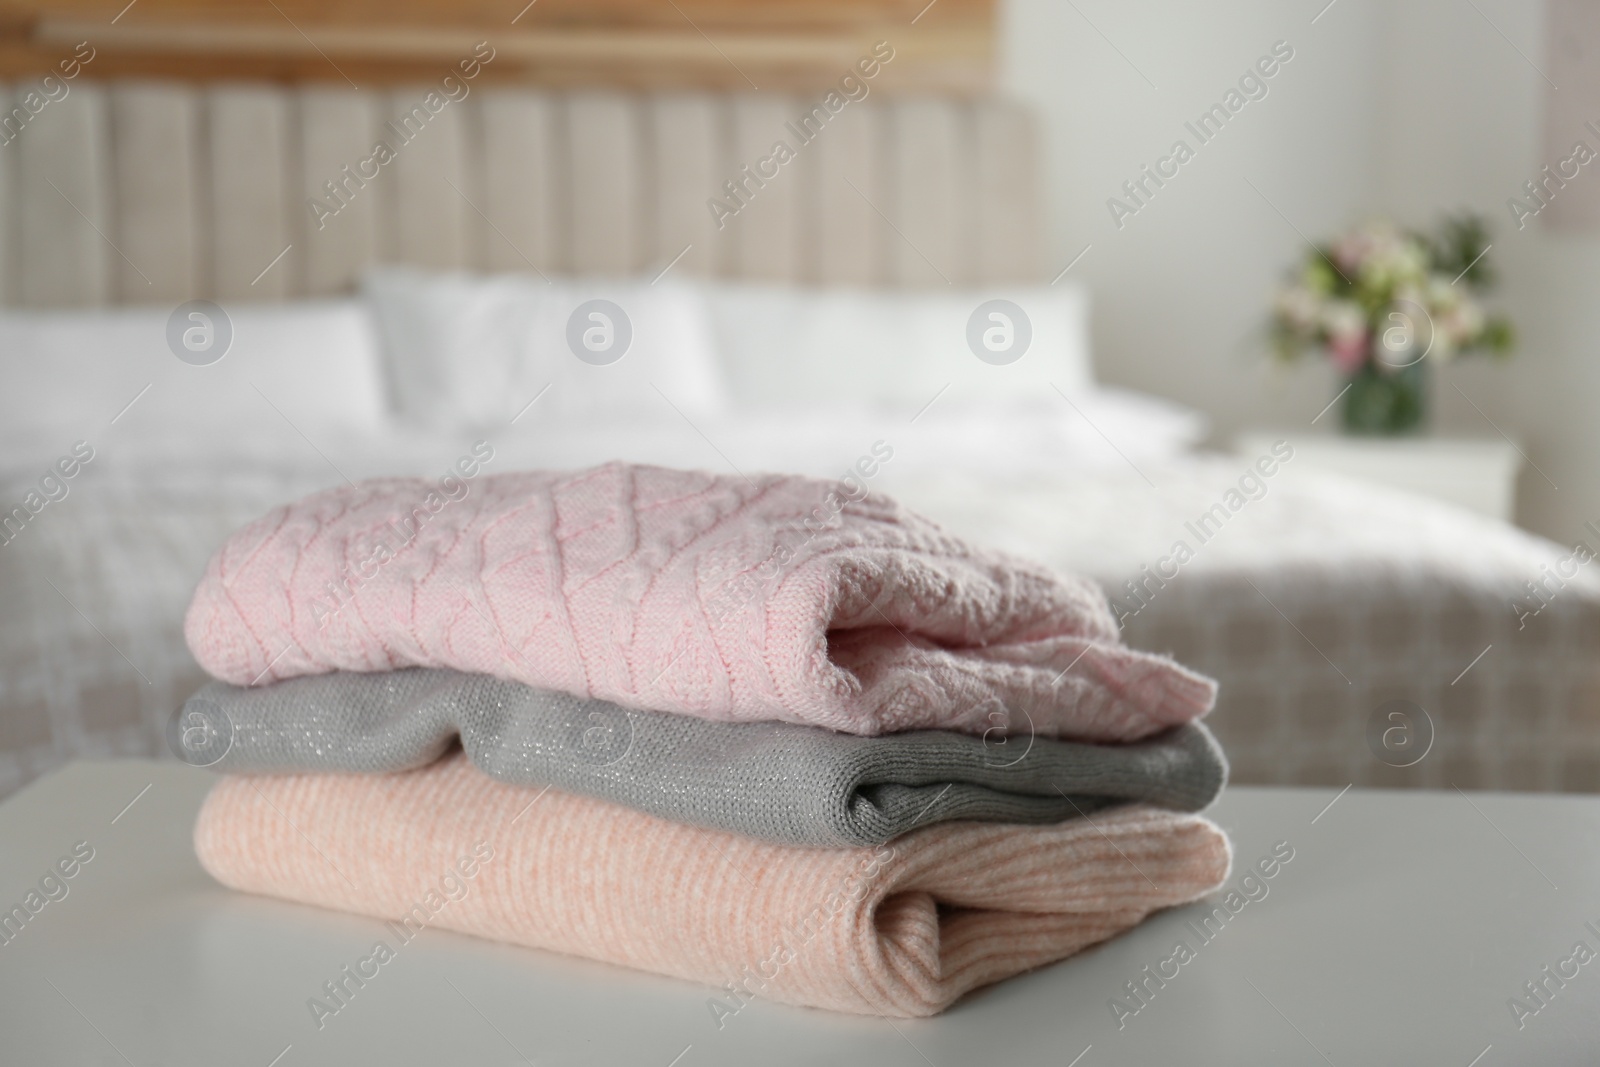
(1378, 301)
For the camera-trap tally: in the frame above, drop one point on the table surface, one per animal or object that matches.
(1397, 934)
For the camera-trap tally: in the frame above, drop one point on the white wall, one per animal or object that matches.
(1408, 109)
(1466, 127)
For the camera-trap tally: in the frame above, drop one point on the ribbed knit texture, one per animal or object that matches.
(772, 598)
(794, 784)
(900, 930)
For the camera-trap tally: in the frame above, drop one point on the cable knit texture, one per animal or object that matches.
(901, 930)
(775, 597)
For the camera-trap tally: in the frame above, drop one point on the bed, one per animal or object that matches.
(827, 321)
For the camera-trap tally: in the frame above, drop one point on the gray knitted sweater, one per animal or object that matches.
(783, 782)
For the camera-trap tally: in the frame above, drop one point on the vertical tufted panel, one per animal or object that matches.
(852, 240)
(338, 129)
(767, 230)
(933, 200)
(424, 221)
(8, 196)
(251, 154)
(1006, 157)
(606, 178)
(199, 190)
(62, 175)
(519, 211)
(686, 144)
(155, 132)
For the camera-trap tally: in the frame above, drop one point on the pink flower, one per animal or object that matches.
(1350, 250)
(1348, 350)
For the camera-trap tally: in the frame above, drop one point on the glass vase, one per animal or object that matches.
(1386, 402)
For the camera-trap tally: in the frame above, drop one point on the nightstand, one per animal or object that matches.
(1479, 474)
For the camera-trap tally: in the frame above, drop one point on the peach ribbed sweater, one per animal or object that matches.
(722, 597)
(901, 930)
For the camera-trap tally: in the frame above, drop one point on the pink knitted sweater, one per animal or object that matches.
(773, 598)
(900, 930)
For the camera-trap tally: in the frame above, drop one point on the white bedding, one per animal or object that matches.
(91, 652)
(1312, 601)
(66, 375)
(1315, 602)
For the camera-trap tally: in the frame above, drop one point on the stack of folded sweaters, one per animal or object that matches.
(759, 733)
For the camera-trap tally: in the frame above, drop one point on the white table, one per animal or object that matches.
(1395, 935)
(1478, 474)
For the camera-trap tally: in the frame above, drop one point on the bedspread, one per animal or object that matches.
(1313, 607)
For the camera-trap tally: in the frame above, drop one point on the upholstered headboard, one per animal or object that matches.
(146, 192)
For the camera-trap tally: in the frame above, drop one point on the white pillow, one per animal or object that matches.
(784, 347)
(68, 374)
(466, 350)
